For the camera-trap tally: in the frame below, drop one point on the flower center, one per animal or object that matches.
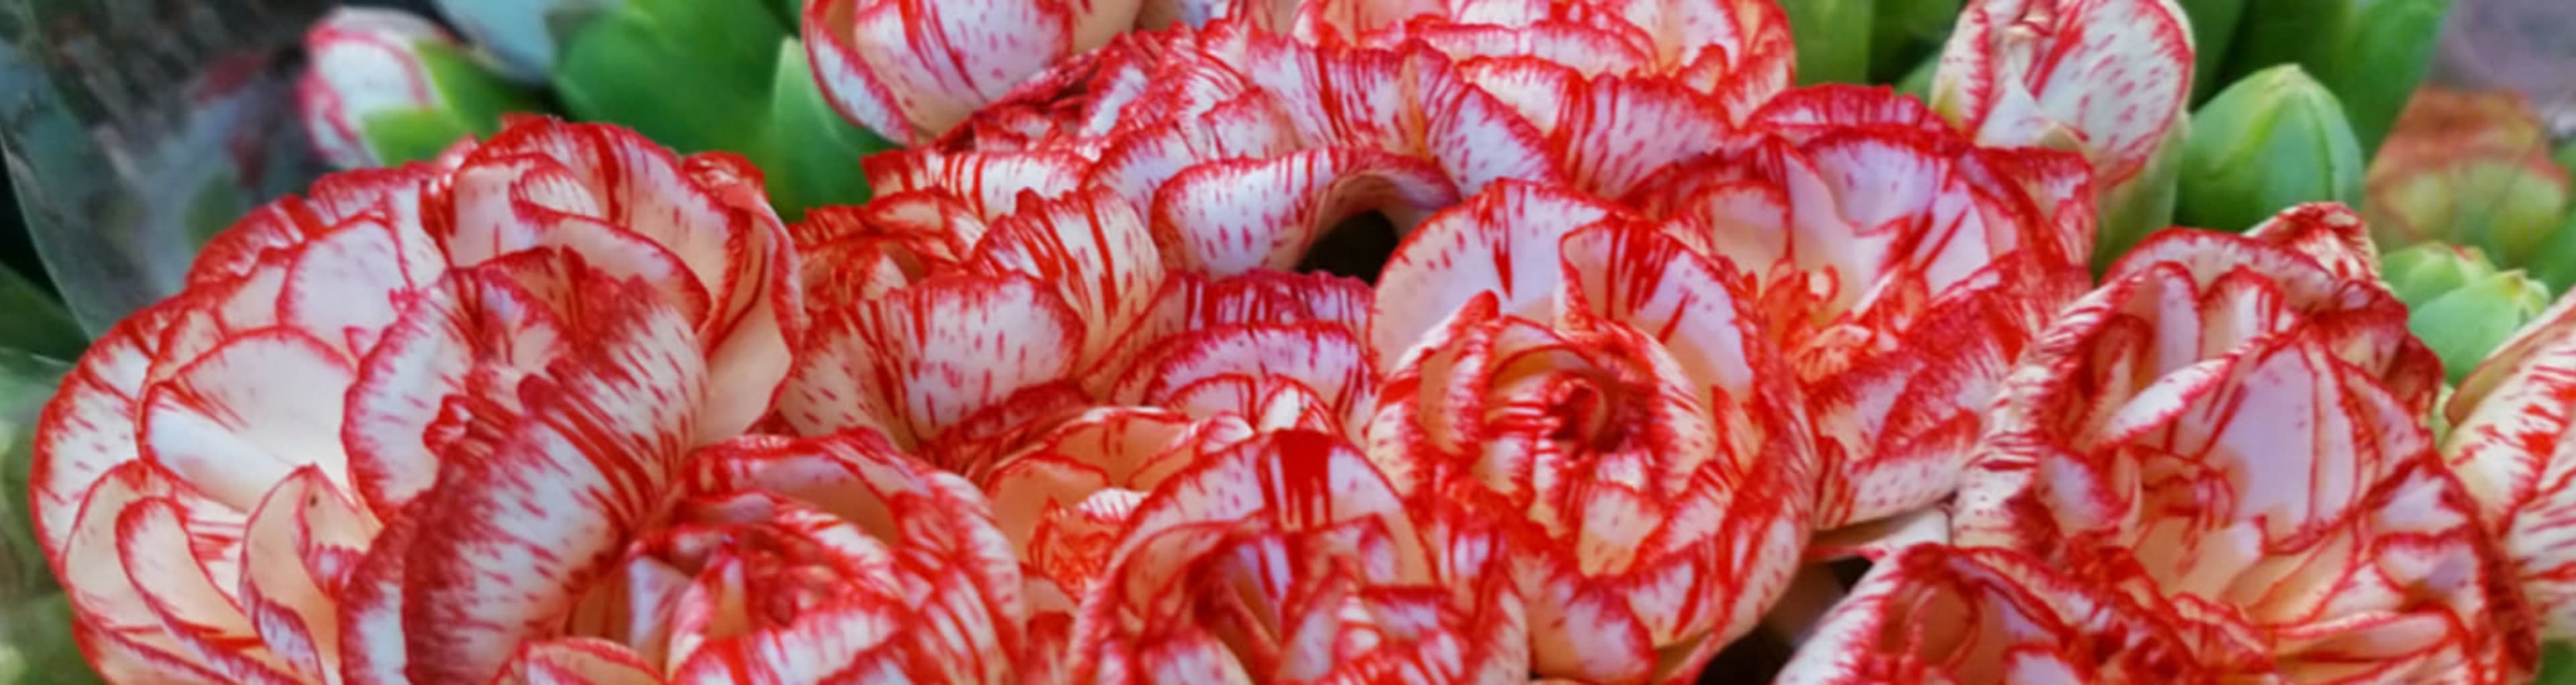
(1358, 247)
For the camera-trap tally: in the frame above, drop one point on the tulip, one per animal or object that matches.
(1937, 613)
(910, 69)
(2117, 95)
(1894, 263)
(2271, 140)
(1739, 51)
(2169, 418)
(2509, 443)
(2471, 169)
(1562, 367)
(313, 438)
(798, 560)
(2371, 53)
(1290, 558)
(387, 87)
(2460, 304)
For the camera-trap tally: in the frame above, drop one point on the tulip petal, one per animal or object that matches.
(1656, 285)
(1943, 614)
(222, 426)
(578, 661)
(1229, 217)
(2509, 444)
(1325, 359)
(1609, 132)
(1406, 102)
(989, 184)
(1094, 248)
(89, 428)
(298, 542)
(924, 358)
(1503, 241)
(602, 432)
(2329, 233)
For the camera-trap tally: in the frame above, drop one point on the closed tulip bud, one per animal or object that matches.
(2371, 53)
(387, 87)
(2272, 140)
(2459, 303)
(1833, 38)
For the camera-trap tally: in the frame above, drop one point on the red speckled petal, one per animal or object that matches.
(1094, 248)
(927, 357)
(1503, 241)
(578, 661)
(1609, 132)
(1226, 218)
(603, 431)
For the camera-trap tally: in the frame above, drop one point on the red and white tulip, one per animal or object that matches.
(390, 429)
(802, 560)
(1941, 614)
(2110, 79)
(1289, 558)
(2240, 416)
(2510, 441)
(1737, 51)
(1900, 268)
(1562, 366)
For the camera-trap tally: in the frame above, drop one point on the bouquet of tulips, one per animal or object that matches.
(1050, 342)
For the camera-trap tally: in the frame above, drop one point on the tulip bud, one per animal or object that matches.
(2371, 53)
(689, 74)
(1833, 38)
(2272, 140)
(388, 87)
(2459, 303)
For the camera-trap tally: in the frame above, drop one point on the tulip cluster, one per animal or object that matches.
(1291, 341)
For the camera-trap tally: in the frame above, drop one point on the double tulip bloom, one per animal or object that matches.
(1065, 402)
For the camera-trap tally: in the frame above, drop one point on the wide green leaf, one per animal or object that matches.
(813, 156)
